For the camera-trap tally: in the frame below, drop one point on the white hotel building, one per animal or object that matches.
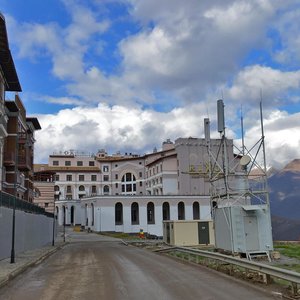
(126, 193)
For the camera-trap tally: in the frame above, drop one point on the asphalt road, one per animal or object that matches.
(106, 269)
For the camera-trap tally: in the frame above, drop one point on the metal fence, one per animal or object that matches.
(269, 271)
(11, 201)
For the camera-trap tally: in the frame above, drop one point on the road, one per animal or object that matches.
(90, 267)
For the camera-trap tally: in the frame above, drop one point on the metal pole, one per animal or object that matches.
(53, 229)
(12, 254)
(64, 224)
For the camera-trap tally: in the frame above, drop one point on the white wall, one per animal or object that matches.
(31, 231)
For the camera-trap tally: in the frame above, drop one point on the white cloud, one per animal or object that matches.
(274, 84)
(185, 55)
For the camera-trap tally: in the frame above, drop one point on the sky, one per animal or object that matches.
(127, 75)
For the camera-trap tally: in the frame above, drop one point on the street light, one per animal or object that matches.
(12, 254)
(53, 229)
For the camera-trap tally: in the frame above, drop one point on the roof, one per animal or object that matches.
(11, 106)
(35, 123)
(6, 60)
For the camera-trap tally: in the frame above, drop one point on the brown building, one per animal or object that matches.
(8, 82)
(18, 151)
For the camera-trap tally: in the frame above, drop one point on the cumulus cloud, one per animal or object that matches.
(181, 57)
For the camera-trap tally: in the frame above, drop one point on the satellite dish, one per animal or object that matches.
(245, 160)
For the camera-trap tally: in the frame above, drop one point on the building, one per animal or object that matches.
(129, 192)
(19, 151)
(44, 189)
(8, 82)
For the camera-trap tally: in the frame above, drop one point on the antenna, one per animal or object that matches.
(221, 119)
(207, 130)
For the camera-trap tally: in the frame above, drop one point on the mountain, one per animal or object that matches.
(284, 187)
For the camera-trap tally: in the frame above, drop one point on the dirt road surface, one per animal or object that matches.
(107, 269)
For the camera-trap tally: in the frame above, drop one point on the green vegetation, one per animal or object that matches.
(290, 250)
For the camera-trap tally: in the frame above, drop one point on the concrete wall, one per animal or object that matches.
(31, 231)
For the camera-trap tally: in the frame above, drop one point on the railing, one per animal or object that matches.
(10, 201)
(290, 276)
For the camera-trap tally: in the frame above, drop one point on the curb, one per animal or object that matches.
(29, 264)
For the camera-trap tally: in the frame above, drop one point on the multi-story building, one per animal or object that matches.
(125, 192)
(8, 82)
(19, 151)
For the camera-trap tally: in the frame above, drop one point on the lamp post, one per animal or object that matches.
(53, 229)
(12, 254)
(64, 224)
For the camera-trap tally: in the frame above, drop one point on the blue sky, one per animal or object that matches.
(126, 75)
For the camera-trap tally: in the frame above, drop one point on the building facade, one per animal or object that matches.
(129, 192)
(9, 82)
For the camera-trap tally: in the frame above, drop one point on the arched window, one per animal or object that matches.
(92, 205)
(128, 184)
(86, 215)
(106, 190)
(166, 211)
(135, 213)
(196, 211)
(181, 212)
(119, 213)
(150, 213)
(81, 188)
(72, 215)
(56, 188)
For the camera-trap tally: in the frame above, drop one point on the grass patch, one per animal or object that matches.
(290, 250)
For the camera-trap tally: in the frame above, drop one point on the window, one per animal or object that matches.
(69, 189)
(196, 211)
(134, 213)
(128, 184)
(150, 213)
(69, 177)
(55, 163)
(106, 190)
(105, 178)
(116, 176)
(166, 211)
(56, 188)
(80, 163)
(141, 174)
(94, 189)
(67, 163)
(105, 169)
(118, 213)
(56, 177)
(81, 188)
(117, 185)
(91, 163)
(46, 204)
(141, 183)
(181, 212)
(81, 177)
(93, 177)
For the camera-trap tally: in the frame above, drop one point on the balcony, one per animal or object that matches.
(24, 162)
